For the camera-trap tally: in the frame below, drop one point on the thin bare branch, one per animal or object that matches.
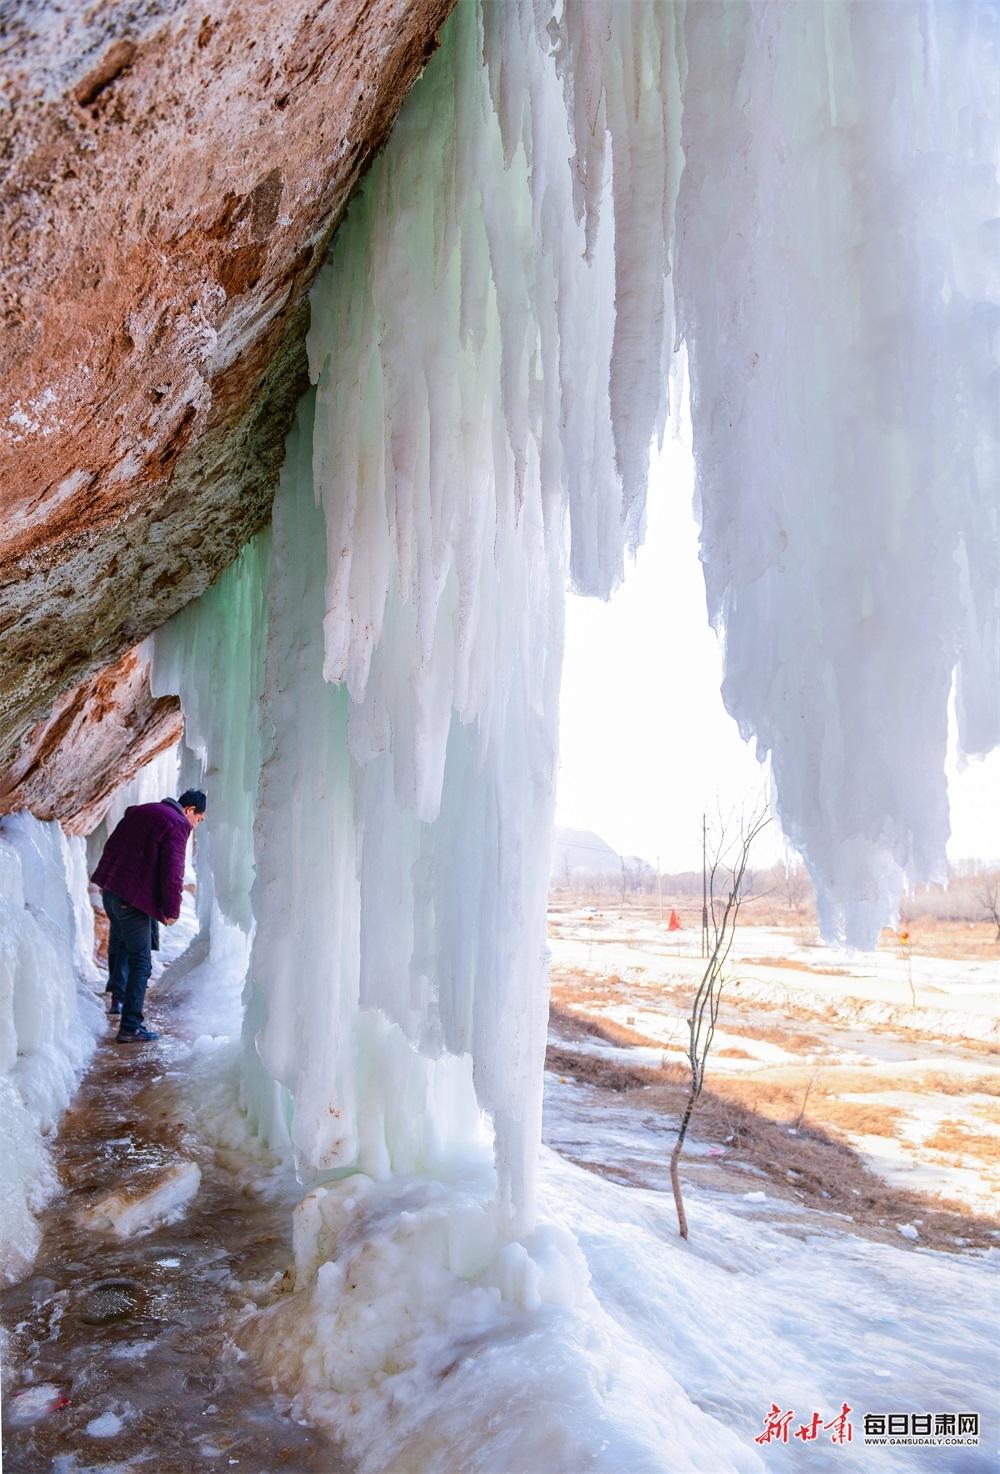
(725, 895)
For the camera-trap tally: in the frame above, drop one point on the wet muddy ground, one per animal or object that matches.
(118, 1352)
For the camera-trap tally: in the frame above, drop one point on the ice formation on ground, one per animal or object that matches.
(490, 348)
(137, 1206)
(49, 1017)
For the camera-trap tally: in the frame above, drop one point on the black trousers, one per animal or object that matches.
(130, 959)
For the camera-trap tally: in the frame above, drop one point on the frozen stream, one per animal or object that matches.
(118, 1354)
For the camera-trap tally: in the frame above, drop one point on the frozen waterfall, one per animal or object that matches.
(802, 196)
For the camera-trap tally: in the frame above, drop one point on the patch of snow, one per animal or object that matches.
(108, 1425)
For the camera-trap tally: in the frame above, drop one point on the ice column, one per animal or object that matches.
(837, 291)
(475, 385)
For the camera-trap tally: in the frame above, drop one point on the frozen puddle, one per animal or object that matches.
(140, 1205)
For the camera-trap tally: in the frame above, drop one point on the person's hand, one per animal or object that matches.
(170, 921)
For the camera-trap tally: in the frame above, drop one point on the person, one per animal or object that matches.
(141, 876)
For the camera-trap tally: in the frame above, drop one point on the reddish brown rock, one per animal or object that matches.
(97, 737)
(172, 173)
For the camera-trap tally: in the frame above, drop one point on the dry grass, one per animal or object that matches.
(795, 1122)
(941, 1082)
(580, 1026)
(809, 1164)
(855, 1117)
(955, 1137)
(795, 966)
(988, 1047)
(575, 988)
(957, 941)
(974, 941)
(793, 1040)
(592, 1069)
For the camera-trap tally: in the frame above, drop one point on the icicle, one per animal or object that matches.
(449, 440)
(833, 291)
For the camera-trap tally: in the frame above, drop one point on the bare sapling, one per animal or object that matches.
(990, 898)
(797, 1123)
(727, 877)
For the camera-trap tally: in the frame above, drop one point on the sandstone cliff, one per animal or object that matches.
(172, 173)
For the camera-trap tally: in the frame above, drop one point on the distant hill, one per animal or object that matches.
(582, 850)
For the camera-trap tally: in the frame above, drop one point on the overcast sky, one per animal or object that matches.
(646, 742)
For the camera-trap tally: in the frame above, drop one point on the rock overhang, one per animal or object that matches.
(173, 176)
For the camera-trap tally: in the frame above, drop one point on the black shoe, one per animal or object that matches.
(115, 1009)
(141, 1035)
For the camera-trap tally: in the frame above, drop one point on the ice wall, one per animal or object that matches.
(158, 779)
(491, 346)
(212, 655)
(48, 1015)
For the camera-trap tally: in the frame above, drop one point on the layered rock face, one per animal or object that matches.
(96, 737)
(172, 175)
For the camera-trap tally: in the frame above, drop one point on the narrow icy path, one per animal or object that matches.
(133, 1333)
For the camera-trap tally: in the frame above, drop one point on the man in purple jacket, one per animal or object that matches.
(141, 875)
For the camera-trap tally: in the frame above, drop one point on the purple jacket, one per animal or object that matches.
(143, 861)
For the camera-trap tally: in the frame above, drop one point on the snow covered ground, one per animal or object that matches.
(604, 1342)
(828, 1014)
(953, 997)
(766, 1304)
(770, 1301)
